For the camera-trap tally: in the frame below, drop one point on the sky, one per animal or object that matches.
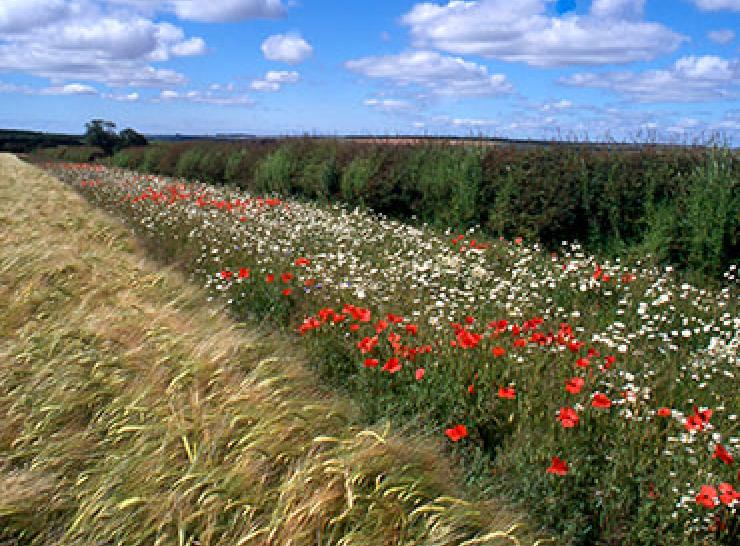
(628, 70)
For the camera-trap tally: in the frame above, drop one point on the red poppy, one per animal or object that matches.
(469, 320)
(520, 342)
(354, 327)
(721, 453)
(664, 412)
(457, 433)
(380, 326)
(392, 365)
(286, 277)
(727, 493)
(419, 373)
(302, 262)
(471, 389)
(498, 351)
(609, 360)
(309, 282)
(518, 240)
(558, 466)
(697, 421)
(371, 362)
(367, 344)
(601, 401)
(226, 275)
(574, 385)
(583, 362)
(707, 496)
(270, 277)
(468, 340)
(287, 292)
(508, 393)
(243, 273)
(412, 329)
(568, 417)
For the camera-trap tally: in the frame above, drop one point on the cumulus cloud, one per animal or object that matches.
(219, 11)
(612, 32)
(441, 75)
(716, 5)
(70, 89)
(287, 48)
(274, 80)
(690, 79)
(562, 104)
(83, 41)
(23, 15)
(724, 36)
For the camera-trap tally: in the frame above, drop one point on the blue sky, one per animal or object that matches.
(529, 69)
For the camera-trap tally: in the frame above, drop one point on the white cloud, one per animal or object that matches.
(287, 48)
(209, 11)
(205, 97)
(389, 105)
(612, 32)
(690, 79)
(715, 5)
(562, 104)
(22, 15)
(274, 80)
(219, 11)
(128, 97)
(84, 42)
(724, 36)
(442, 75)
(70, 89)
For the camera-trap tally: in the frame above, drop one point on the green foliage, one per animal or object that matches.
(614, 201)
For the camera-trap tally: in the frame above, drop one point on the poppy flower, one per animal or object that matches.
(412, 329)
(302, 262)
(498, 351)
(471, 389)
(286, 277)
(309, 282)
(609, 360)
(601, 401)
(664, 412)
(520, 342)
(558, 466)
(468, 340)
(721, 453)
(367, 344)
(392, 365)
(727, 493)
(270, 277)
(371, 363)
(574, 385)
(380, 326)
(707, 496)
(457, 433)
(419, 373)
(697, 421)
(243, 273)
(518, 241)
(583, 362)
(508, 393)
(469, 320)
(568, 417)
(354, 327)
(225, 275)
(287, 292)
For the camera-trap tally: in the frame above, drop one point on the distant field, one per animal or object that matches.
(599, 395)
(135, 412)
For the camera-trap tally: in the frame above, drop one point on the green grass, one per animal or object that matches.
(135, 412)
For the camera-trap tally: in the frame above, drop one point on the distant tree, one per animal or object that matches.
(129, 137)
(101, 133)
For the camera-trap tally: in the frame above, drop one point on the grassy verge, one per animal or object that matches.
(597, 394)
(135, 412)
